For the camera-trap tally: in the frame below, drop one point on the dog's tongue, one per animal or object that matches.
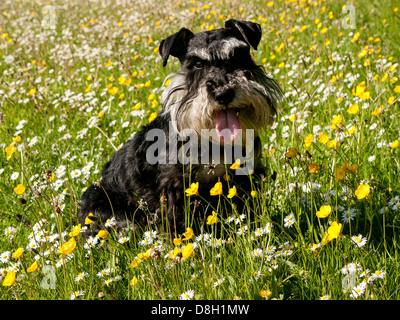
(227, 119)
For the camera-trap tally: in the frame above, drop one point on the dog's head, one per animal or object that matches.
(219, 86)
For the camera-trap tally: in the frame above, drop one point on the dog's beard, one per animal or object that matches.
(253, 106)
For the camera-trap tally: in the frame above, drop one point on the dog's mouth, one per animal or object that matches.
(227, 124)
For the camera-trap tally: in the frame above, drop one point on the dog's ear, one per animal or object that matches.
(175, 45)
(250, 32)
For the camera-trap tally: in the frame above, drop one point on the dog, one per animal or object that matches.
(220, 99)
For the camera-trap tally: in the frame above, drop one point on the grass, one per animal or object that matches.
(76, 88)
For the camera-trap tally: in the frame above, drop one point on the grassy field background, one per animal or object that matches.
(78, 78)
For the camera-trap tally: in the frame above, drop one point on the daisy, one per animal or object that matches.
(14, 175)
(5, 256)
(75, 173)
(359, 240)
(188, 295)
(77, 294)
(122, 240)
(358, 290)
(219, 282)
(325, 297)
(80, 276)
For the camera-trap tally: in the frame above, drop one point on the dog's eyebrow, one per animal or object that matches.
(228, 47)
(201, 53)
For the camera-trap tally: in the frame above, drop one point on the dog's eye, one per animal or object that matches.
(199, 64)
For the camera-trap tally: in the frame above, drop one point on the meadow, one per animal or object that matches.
(79, 78)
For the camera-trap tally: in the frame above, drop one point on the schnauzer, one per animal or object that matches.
(220, 99)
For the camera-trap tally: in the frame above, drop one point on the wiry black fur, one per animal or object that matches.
(139, 193)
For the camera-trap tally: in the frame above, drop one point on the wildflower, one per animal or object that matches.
(211, 219)
(20, 189)
(193, 189)
(353, 109)
(187, 251)
(217, 189)
(336, 121)
(289, 220)
(177, 241)
(134, 281)
(351, 268)
(14, 175)
(9, 280)
(362, 191)
(123, 240)
(76, 231)
(394, 144)
(10, 150)
(18, 253)
(88, 220)
(188, 234)
(67, 247)
(291, 153)
(359, 240)
(358, 290)
(153, 115)
(313, 168)
(188, 295)
(77, 294)
(332, 233)
(378, 274)
(33, 267)
(235, 165)
(80, 276)
(323, 138)
(308, 141)
(5, 256)
(102, 234)
(325, 297)
(324, 211)
(232, 192)
(331, 144)
(265, 293)
(218, 282)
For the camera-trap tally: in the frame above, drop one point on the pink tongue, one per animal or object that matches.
(227, 124)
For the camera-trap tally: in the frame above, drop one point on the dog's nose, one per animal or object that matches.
(224, 96)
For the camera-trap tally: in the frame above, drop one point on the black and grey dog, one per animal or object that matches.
(219, 99)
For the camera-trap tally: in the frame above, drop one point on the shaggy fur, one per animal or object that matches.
(217, 75)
